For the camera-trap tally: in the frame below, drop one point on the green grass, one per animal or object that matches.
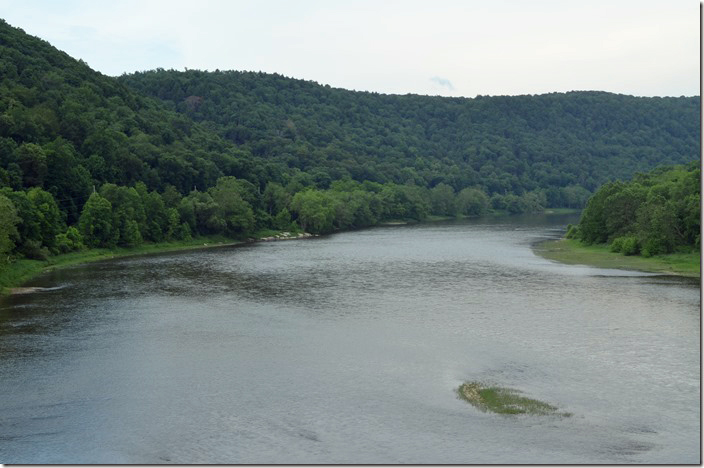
(18, 272)
(573, 252)
(502, 400)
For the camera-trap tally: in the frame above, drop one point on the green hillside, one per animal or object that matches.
(66, 128)
(560, 143)
(91, 161)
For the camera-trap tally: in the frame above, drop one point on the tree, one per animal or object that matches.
(275, 198)
(69, 241)
(656, 213)
(533, 202)
(8, 228)
(471, 202)
(157, 217)
(405, 202)
(442, 200)
(592, 225)
(282, 220)
(127, 206)
(621, 209)
(49, 219)
(174, 223)
(28, 228)
(656, 226)
(95, 223)
(32, 160)
(131, 237)
(196, 209)
(231, 208)
(315, 211)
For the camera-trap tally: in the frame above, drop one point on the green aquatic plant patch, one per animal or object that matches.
(503, 400)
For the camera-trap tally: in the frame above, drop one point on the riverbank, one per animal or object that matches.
(490, 214)
(21, 271)
(573, 252)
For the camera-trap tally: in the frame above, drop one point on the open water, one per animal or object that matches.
(349, 349)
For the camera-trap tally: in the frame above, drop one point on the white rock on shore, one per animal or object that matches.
(288, 236)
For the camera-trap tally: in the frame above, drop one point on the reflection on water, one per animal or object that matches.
(347, 349)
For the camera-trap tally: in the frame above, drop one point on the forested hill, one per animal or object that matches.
(90, 129)
(98, 161)
(503, 144)
(66, 128)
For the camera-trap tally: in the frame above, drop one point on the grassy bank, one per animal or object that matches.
(21, 271)
(573, 252)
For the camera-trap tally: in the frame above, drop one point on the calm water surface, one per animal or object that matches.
(348, 349)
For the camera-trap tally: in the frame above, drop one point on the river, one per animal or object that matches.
(348, 348)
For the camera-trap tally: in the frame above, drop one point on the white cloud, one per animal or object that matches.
(443, 83)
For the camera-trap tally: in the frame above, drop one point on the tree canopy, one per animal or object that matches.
(98, 161)
(654, 213)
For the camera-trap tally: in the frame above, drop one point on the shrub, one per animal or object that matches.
(34, 250)
(630, 245)
(654, 246)
(69, 241)
(616, 245)
(627, 245)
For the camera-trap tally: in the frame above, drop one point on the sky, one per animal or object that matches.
(439, 47)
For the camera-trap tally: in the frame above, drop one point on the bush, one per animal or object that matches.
(34, 250)
(69, 241)
(654, 246)
(630, 245)
(627, 245)
(616, 245)
(183, 232)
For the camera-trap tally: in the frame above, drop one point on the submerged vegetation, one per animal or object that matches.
(503, 400)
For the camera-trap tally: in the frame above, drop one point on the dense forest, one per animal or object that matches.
(97, 161)
(564, 144)
(655, 213)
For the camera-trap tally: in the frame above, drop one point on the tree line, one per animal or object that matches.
(87, 159)
(33, 225)
(654, 213)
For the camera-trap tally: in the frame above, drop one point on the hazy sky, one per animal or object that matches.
(450, 48)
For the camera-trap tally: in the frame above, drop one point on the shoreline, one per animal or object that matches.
(22, 271)
(571, 252)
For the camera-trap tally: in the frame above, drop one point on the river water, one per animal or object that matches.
(348, 349)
